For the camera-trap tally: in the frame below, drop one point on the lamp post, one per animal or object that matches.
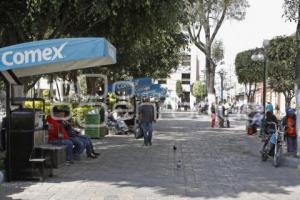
(261, 57)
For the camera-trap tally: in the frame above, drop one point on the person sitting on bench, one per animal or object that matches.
(75, 136)
(58, 135)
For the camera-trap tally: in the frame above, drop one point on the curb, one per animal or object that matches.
(254, 145)
(291, 162)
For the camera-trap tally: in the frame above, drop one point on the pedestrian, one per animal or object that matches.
(289, 122)
(146, 117)
(213, 115)
(226, 108)
(220, 115)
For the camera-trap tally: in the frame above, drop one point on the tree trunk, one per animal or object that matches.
(297, 84)
(252, 93)
(58, 92)
(247, 92)
(90, 84)
(210, 83)
(51, 95)
(288, 100)
(74, 80)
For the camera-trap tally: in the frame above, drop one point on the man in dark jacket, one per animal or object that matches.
(146, 117)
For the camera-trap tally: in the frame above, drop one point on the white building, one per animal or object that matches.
(191, 69)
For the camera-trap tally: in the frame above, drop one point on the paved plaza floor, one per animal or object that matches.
(208, 164)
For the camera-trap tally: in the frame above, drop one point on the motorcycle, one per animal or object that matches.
(273, 144)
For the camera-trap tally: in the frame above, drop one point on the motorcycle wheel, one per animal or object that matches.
(264, 156)
(264, 152)
(277, 157)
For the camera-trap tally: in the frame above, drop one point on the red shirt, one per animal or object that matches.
(55, 128)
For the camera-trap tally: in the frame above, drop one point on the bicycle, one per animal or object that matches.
(273, 144)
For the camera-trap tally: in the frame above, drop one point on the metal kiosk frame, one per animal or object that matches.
(47, 56)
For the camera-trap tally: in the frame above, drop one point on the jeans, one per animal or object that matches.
(69, 145)
(147, 130)
(79, 145)
(85, 140)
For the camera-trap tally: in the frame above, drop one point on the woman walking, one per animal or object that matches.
(213, 115)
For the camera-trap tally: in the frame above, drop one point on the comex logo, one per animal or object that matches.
(10, 58)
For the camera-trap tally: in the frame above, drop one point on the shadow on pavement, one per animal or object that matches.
(213, 163)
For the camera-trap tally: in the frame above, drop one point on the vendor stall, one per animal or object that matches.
(37, 58)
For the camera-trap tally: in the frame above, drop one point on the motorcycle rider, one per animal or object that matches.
(270, 128)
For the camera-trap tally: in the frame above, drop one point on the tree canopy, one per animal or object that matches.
(249, 72)
(281, 53)
(146, 33)
(179, 89)
(199, 90)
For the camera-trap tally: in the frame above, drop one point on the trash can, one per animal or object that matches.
(92, 126)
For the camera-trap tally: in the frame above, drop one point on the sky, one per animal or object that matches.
(263, 21)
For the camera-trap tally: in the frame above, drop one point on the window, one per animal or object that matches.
(162, 81)
(185, 82)
(186, 76)
(186, 60)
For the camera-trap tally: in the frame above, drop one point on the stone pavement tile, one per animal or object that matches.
(216, 165)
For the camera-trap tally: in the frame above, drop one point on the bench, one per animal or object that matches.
(40, 164)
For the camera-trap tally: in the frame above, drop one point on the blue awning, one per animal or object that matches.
(47, 56)
(155, 90)
(140, 84)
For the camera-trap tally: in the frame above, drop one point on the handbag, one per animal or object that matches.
(138, 132)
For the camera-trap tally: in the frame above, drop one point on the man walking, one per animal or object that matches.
(146, 117)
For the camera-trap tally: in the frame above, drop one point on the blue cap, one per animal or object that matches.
(269, 109)
(289, 111)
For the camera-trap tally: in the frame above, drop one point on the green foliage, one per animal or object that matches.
(281, 54)
(247, 70)
(38, 105)
(199, 90)
(179, 89)
(111, 100)
(218, 51)
(46, 93)
(147, 33)
(291, 9)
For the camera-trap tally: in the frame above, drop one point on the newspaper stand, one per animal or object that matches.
(38, 58)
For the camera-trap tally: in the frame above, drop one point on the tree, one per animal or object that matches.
(249, 72)
(199, 90)
(147, 34)
(205, 17)
(292, 13)
(281, 53)
(179, 89)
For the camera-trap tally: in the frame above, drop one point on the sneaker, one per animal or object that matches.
(97, 154)
(68, 162)
(92, 156)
